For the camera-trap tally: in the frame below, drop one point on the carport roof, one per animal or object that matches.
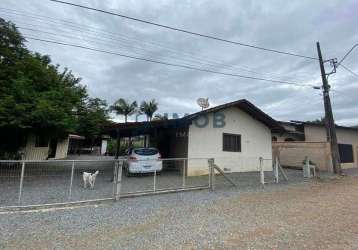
(138, 128)
(242, 104)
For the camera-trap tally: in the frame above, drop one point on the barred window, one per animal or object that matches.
(231, 142)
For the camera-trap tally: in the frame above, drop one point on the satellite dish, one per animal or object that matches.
(203, 103)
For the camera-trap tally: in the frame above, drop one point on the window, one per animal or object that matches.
(346, 153)
(231, 142)
(41, 141)
(146, 151)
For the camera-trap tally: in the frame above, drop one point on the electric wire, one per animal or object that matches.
(185, 31)
(350, 71)
(167, 63)
(172, 51)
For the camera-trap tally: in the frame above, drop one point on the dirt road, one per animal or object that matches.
(313, 215)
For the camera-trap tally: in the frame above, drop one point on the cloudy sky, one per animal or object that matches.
(292, 26)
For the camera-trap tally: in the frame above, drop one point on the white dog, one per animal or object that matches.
(89, 178)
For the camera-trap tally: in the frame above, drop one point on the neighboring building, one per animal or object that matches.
(292, 132)
(236, 134)
(43, 148)
(310, 139)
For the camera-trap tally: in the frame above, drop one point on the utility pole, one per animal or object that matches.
(329, 121)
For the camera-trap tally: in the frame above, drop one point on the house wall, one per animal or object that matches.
(62, 148)
(346, 136)
(208, 143)
(34, 153)
(41, 153)
(294, 153)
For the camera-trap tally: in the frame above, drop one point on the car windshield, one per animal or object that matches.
(146, 151)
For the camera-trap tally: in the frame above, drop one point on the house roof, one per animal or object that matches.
(76, 137)
(247, 107)
(242, 104)
(322, 125)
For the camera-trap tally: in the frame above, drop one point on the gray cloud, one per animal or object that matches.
(284, 25)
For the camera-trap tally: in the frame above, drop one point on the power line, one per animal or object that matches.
(115, 36)
(120, 46)
(119, 37)
(168, 63)
(117, 46)
(350, 71)
(345, 56)
(140, 48)
(185, 31)
(211, 64)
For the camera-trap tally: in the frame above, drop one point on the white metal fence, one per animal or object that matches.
(28, 183)
(32, 183)
(55, 181)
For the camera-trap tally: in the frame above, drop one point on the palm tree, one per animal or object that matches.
(149, 108)
(123, 107)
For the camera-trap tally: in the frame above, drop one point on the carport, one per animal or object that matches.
(169, 136)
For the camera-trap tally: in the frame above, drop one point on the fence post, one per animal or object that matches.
(155, 181)
(276, 171)
(262, 174)
(71, 182)
(114, 179)
(306, 168)
(281, 169)
(117, 180)
(211, 174)
(184, 172)
(21, 181)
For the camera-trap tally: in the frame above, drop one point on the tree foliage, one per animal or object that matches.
(124, 107)
(92, 118)
(38, 97)
(149, 108)
(318, 121)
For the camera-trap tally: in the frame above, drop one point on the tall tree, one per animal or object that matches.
(92, 118)
(124, 107)
(149, 108)
(35, 96)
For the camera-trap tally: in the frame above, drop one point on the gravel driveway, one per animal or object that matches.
(315, 214)
(49, 182)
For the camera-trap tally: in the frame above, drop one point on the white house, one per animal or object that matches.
(235, 134)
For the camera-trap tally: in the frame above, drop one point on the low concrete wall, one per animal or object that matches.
(294, 153)
(62, 148)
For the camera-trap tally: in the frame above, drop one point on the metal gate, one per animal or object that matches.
(60, 182)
